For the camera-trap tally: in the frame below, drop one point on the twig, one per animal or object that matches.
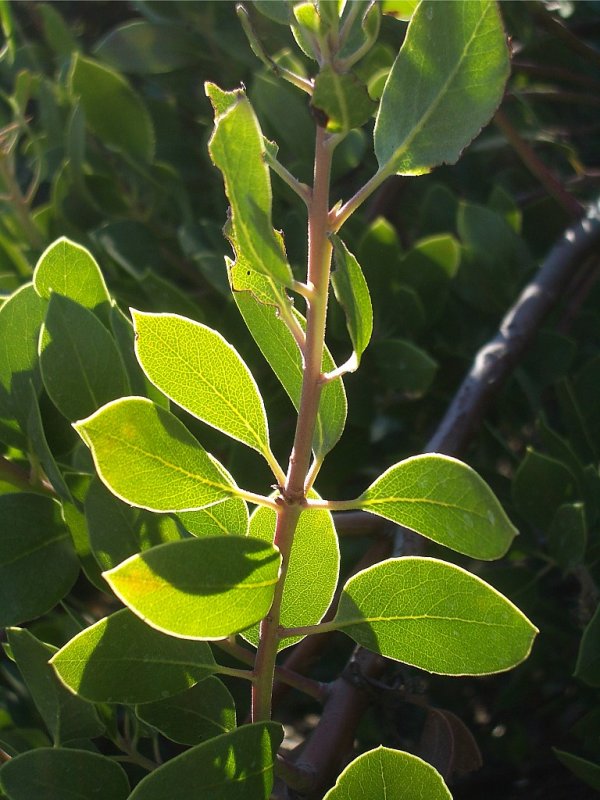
(496, 359)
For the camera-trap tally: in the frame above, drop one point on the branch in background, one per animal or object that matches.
(537, 167)
(327, 750)
(496, 360)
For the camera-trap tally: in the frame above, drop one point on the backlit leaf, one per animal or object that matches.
(228, 517)
(446, 501)
(389, 774)
(237, 149)
(45, 772)
(194, 366)
(235, 766)
(261, 305)
(352, 293)
(191, 717)
(435, 616)
(148, 458)
(23, 312)
(200, 588)
(312, 572)
(69, 269)
(38, 565)
(120, 659)
(429, 114)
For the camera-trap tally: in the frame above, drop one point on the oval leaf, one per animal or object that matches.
(434, 616)
(38, 565)
(191, 717)
(427, 116)
(23, 312)
(148, 458)
(45, 772)
(69, 269)
(120, 659)
(194, 366)
(228, 517)
(80, 362)
(446, 501)
(312, 573)
(113, 111)
(237, 149)
(391, 774)
(200, 588)
(234, 766)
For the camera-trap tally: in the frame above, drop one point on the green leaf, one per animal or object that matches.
(191, 717)
(234, 766)
(341, 100)
(401, 9)
(113, 111)
(80, 363)
(435, 616)
(39, 443)
(120, 659)
(277, 10)
(352, 294)
(405, 367)
(148, 458)
(567, 536)
(312, 572)
(541, 484)
(587, 668)
(195, 367)
(69, 269)
(444, 86)
(261, 305)
(200, 588)
(228, 517)
(585, 770)
(237, 149)
(38, 565)
(389, 774)
(44, 773)
(117, 531)
(21, 317)
(67, 717)
(74, 517)
(148, 48)
(446, 501)
(122, 330)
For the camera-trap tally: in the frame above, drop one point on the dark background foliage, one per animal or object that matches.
(445, 255)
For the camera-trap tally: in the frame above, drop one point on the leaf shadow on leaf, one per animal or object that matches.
(169, 563)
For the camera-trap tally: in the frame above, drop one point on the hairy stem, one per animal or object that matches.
(293, 496)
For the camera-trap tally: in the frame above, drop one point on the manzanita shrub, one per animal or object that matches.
(202, 565)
